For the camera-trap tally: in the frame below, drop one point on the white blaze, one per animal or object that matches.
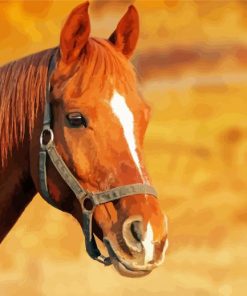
(148, 244)
(126, 118)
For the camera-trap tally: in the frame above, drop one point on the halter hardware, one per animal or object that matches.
(87, 200)
(87, 204)
(44, 134)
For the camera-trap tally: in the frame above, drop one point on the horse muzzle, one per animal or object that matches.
(136, 265)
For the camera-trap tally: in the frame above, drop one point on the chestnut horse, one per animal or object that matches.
(81, 101)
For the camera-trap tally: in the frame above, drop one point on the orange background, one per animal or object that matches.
(191, 59)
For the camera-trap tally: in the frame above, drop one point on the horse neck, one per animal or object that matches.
(16, 188)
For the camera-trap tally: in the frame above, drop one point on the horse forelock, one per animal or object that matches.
(104, 60)
(100, 64)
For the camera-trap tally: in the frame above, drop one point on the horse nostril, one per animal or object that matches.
(136, 230)
(133, 233)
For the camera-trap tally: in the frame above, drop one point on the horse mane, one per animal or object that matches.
(22, 91)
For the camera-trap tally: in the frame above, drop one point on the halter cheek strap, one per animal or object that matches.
(87, 200)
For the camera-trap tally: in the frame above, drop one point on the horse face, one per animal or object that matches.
(99, 126)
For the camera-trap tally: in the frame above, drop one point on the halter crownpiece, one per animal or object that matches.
(88, 200)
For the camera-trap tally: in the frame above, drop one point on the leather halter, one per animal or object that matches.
(88, 200)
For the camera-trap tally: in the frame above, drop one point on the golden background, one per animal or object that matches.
(191, 59)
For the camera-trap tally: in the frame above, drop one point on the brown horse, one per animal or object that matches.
(98, 123)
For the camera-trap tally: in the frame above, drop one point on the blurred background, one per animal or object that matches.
(191, 61)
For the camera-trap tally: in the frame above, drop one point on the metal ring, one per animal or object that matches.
(87, 203)
(49, 130)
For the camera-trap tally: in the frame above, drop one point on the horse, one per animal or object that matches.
(72, 126)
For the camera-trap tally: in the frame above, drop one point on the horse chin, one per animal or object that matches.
(124, 271)
(124, 267)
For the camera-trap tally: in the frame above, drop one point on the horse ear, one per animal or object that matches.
(75, 33)
(125, 37)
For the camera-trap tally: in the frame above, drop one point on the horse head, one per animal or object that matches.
(99, 123)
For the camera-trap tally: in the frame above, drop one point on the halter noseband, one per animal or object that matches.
(88, 200)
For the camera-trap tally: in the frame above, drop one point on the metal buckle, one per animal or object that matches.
(43, 134)
(104, 260)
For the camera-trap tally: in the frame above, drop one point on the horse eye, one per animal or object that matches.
(76, 119)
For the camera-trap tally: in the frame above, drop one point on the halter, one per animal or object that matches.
(88, 200)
